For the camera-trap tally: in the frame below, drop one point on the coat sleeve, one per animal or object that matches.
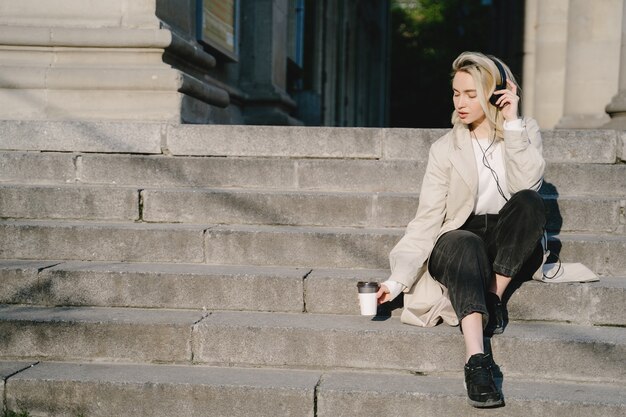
(410, 253)
(523, 157)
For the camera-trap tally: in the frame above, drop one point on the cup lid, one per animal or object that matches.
(367, 286)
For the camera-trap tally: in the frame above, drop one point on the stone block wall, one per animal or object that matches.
(95, 60)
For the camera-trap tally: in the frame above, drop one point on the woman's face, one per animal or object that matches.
(465, 99)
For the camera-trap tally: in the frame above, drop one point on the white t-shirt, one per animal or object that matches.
(488, 154)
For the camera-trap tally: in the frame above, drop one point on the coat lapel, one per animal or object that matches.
(463, 160)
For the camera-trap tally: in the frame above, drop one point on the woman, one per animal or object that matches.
(479, 221)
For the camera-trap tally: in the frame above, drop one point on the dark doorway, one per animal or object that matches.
(426, 37)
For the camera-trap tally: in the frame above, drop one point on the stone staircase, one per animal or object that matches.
(176, 270)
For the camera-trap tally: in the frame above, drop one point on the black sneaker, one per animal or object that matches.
(481, 388)
(498, 316)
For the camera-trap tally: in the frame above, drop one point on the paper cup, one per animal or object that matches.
(367, 297)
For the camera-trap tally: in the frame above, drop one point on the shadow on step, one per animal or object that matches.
(386, 310)
(554, 222)
(554, 219)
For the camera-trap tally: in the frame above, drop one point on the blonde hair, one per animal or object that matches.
(486, 76)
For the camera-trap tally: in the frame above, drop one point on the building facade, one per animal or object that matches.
(281, 62)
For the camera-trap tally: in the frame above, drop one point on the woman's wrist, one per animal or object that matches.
(515, 124)
(394, 287)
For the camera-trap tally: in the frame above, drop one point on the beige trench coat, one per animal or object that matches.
(446, 201)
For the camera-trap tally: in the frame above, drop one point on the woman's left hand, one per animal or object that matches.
(508, 101)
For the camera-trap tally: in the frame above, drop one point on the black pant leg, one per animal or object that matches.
(459, 261)
(517, 234)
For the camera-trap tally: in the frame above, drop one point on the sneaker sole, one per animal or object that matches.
(486, 404)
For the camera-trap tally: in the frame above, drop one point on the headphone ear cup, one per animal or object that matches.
(502, 85)
(494, 98)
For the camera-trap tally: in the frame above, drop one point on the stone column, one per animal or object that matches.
(263, 63)
(549, 61)
(617, 107)
(594, 36)
(530, 57)
(95, 60)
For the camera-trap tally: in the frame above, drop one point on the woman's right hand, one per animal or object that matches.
(383, 294)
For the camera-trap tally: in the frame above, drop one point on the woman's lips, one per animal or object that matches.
(462, 115)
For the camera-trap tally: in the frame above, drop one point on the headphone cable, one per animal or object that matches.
(494, 174)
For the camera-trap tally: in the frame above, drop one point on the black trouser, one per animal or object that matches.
(507, 243)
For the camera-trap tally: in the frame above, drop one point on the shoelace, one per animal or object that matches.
(480, 375)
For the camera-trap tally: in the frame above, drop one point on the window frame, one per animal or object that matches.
(214, 45)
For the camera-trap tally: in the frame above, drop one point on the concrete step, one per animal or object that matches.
(585, 179)
(68, 136)
(8, 369)
(252, 288)
(69, 202)
(301, 208)
(358, 175)
(330, 341)
(585, 214)
(299, 176)
(604, 254)
(309, 247)
(240, 245)
(371, 395)
(163, 171)
(237, 206)
(594, 303)
(277, 173)
(38, 167)
(369, 248)
(300, 340)
(140, 390)
(204, 205)
(153, 285)
(586, 146)
(113, 334)
(583, 146)
(165, 390)
(101, 241)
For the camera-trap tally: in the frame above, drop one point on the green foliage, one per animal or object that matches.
(426, 37)
(10, 413)
(22, 413)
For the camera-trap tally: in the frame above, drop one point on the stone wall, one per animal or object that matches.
(85, 60)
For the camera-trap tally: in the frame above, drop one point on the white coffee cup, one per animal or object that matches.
(367, 297)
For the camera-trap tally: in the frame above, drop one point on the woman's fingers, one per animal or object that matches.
(512, 86)
(508, 94)
(508, 103)
(383, 294)
(506, 97)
